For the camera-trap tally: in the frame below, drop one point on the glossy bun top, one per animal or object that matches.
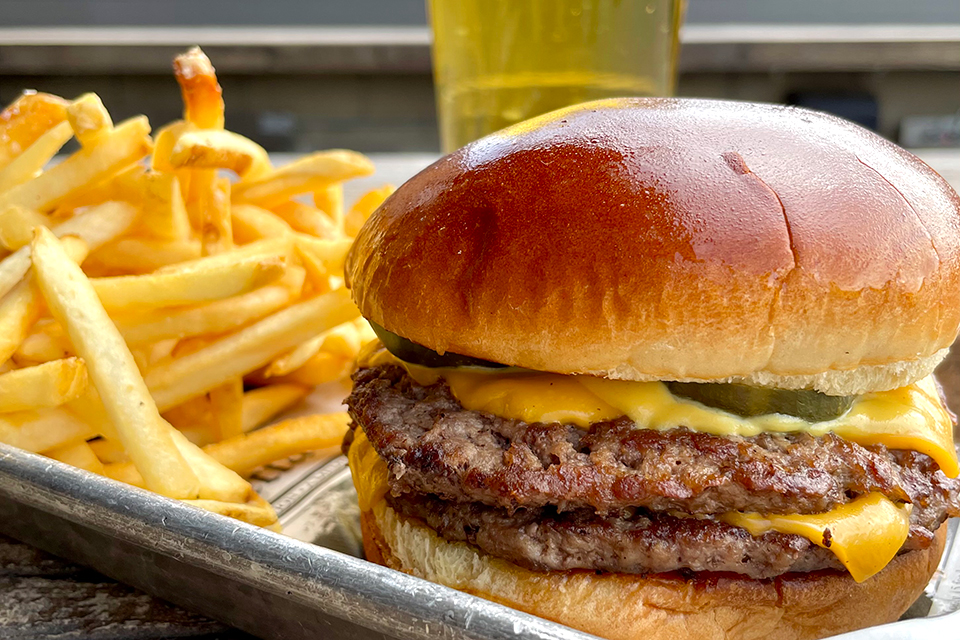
(674, 239)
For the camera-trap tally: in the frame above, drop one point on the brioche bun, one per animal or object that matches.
(674, 239)
(662, 606)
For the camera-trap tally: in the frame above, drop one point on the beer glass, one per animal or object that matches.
(497, 62)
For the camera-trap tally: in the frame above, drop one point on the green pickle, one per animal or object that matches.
(418, 354)
(740, 399)
(746, 401)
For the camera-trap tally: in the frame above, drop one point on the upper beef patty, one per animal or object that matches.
(432, 445)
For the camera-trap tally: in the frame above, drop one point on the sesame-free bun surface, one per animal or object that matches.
(674, 239)
(662, 606)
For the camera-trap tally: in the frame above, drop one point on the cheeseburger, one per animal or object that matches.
(659, 368)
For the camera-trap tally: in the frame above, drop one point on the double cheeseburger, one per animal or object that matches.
(660, 368)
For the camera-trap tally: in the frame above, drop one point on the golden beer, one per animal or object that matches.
(497, 62)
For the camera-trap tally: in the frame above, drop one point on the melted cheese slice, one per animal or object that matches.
(865, 534)
(368, 470)
(912, 417)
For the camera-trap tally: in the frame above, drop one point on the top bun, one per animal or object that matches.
(674, 239)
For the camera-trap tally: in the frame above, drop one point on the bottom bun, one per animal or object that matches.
(657, 607)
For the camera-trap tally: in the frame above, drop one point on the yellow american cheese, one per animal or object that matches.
(911, 417)
(369, 471)
(865, 534)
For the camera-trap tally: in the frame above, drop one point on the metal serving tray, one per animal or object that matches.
(310, 582)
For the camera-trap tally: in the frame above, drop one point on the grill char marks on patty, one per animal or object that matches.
(432, 445)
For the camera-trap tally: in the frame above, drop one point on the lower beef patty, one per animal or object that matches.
(631, 540)
(555, 497)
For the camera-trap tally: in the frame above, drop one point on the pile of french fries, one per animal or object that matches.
(162, 298)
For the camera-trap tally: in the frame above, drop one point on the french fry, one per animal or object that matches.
(46, 385)
(316, 272)
(125, 145)
(25, 120)
(203, 109)
(306, 219)
(257, 512)
(248, 349)
(37, 431)
(215, 317)
(89, 408)
(340, 341)
(220, 483)
(202, 97)
(166, 139)
(107, 451)
(219, 149)
(293, 280)
(201, 283)
(364, 207)
(260, 405)
(133, 414)
(251, 223)
(123, 186)
(319, 369)
(138, 256)
(95, 227)
(272, 249)
(199, 195)
(88, 119)
(330, 200)
(227, 404)
(191, 345)
(28, 164)
(330, 253)
(45, 343)
(78, 454)
(308, 174)
(216, 229)
(16, 226)
(160, 351)
(20, 308)
(100, 224)
(245, 453)
(217, 482)
(195, 419)
(141, 357)
(124, 472)
(164, 212)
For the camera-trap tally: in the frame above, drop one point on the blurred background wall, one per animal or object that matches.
(308, 74)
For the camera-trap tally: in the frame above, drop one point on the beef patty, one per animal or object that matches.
(432, 445)
(631, 540)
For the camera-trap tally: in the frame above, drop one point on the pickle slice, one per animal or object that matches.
(746, 401)
(418, 354)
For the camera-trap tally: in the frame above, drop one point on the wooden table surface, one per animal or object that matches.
(45, 598)
(42, 596)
